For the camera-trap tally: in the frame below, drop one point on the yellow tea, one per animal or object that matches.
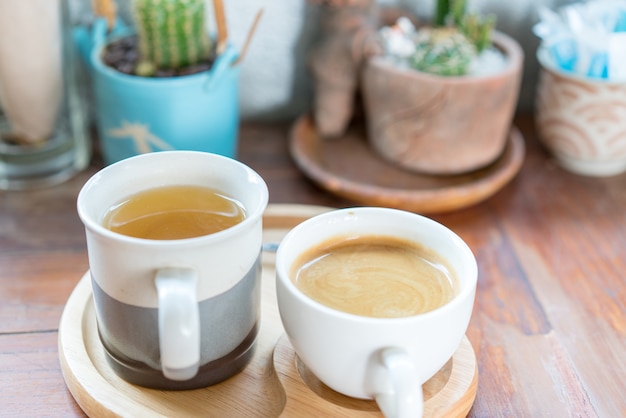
(174, 212)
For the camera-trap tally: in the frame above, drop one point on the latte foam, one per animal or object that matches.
(375, 276)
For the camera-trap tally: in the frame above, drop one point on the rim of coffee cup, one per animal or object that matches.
(93, 182)
(467, 287)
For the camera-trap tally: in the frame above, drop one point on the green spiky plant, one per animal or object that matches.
(477, 29)
(457, 37)
(172, 34)
(442, 51)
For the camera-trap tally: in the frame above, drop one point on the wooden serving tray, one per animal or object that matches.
(273, 384)
(348, 167)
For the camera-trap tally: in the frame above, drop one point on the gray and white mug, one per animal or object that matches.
(182, 313)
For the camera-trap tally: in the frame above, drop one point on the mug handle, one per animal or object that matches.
(179, 322)
(398, 392)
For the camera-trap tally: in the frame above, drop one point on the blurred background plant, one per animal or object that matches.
(442, 51)
(453, 42)
(171, 37)
(172, 34)
(450, 46)
(476, 28)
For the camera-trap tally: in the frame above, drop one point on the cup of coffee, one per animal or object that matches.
(375, 301)
(174, 241)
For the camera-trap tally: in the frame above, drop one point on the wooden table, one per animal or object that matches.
(549, 323)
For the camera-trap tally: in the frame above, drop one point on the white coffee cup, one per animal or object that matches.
(184, 313)
(387, 359)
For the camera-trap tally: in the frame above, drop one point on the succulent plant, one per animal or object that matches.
(442, 12)
(449, 48)
(478, 30)
(172, 33)
(442, 51)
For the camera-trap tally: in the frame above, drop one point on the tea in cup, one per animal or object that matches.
(174, 212)
(174, 241)
(375, 301)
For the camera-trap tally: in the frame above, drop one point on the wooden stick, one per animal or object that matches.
(257, 18)
(106, 9)
(222, 27)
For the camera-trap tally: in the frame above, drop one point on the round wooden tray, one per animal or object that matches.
(450, 393)
(273, 384)
(348, 167)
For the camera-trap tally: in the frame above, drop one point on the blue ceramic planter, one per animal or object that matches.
(137, 115)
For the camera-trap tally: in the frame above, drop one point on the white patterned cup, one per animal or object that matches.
(581, 121)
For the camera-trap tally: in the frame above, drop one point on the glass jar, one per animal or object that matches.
(44, 119)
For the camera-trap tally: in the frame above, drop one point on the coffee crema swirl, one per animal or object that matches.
(374, 276)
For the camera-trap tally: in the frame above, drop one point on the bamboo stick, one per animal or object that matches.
(222, 27)
(246, 44)
(106, 9)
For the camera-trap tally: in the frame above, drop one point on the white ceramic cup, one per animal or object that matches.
(387, 359)
(175, 314)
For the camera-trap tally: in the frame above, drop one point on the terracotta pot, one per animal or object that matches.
(441, 125)
(581, 121)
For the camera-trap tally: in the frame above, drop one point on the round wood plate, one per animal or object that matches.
(450, 393)
(269, 386)
(349, 168)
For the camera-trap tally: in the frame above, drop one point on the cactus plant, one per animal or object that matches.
(449, 48)
(478, 30)
(442, 11)
(442, 51)
(172, 33)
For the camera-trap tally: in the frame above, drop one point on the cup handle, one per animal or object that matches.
(179, 322)
(398, 392)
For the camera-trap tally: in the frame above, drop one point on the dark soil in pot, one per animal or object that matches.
(123, 55)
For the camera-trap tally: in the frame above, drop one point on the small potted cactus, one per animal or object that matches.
(166, 84)
(437, 106)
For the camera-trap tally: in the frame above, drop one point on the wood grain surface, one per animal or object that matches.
(348, 167)
(448, 394)
(549, 323)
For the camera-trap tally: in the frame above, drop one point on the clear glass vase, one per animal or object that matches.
(44, 117)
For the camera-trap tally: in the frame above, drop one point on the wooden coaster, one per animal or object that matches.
(349, 168)
(450, 393)
(259, 390)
